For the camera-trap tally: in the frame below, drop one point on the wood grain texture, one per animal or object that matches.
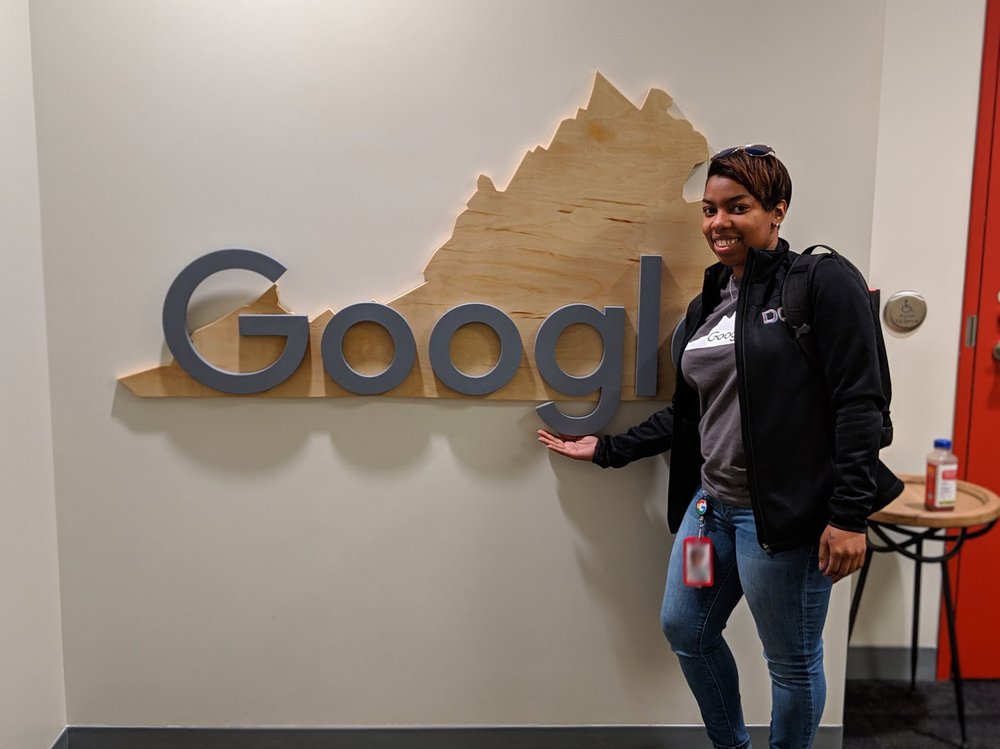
(974, 505)
(569, 228)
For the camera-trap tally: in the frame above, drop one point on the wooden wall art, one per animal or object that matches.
(570, 228)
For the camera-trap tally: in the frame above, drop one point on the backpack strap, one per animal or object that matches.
(795, 289)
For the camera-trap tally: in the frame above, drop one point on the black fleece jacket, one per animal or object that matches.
(811, 434)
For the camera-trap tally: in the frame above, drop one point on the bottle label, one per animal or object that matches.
(941, 486)
(947, 487)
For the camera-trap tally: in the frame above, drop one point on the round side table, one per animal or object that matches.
(976, 512)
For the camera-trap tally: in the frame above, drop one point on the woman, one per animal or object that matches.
(783, 453)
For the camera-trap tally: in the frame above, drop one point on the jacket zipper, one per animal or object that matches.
(742, 306)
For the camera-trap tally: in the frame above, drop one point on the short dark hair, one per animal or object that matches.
(765, 177)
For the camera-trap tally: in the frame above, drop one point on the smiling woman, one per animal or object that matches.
(773, 457)
(746, 196)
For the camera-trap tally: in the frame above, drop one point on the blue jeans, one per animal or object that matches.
(788, 597)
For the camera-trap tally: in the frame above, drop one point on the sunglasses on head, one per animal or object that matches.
(751, 149)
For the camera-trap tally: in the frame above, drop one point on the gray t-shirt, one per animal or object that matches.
(709, 366)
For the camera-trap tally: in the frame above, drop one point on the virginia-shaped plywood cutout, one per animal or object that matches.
(569, 228)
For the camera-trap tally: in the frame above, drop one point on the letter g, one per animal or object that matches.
(295, 328)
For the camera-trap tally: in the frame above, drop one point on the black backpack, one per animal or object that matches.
(795, 295)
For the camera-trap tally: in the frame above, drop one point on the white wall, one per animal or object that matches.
(376, 561)
(927, 129)
(32, 694)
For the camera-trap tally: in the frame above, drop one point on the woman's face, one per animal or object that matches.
(733, 221)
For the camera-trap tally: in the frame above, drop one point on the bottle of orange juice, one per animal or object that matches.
(942, 477)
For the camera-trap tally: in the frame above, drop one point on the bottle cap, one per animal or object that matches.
(943, 443)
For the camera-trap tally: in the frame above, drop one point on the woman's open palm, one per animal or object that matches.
(578, 448)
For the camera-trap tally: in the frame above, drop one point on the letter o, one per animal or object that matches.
(332, 349)
(439, 349)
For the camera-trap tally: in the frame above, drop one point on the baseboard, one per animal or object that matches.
(481, 737)
(63, 741)
(890, 663)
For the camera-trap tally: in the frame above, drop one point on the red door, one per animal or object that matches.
(977, 413)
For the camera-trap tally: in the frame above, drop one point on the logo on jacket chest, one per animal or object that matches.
(773, 315)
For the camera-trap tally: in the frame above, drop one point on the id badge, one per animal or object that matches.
(699, 567)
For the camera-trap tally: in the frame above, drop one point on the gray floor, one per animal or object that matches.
(887, 715)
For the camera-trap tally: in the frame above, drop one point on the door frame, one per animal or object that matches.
(987, 133)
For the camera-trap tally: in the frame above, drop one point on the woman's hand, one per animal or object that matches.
(841, 552)
(577, 448)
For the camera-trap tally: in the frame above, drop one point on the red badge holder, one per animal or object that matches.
(699, 557)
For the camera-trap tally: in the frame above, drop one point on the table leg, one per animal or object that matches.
(856, 600)
(915, 630)
(953, 640)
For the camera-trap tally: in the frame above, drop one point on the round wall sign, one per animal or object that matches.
(905, 310)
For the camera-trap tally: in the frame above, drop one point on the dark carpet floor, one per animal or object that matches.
(887, 715)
